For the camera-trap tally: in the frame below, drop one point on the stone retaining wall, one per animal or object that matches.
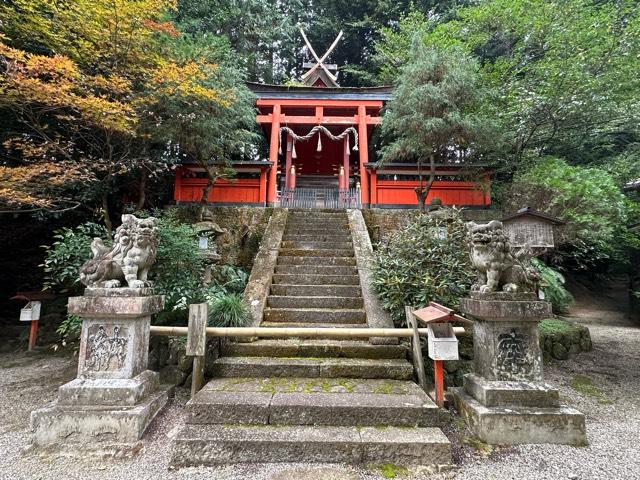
(382, 222)
(244, 227)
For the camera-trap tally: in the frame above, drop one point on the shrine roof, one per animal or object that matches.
(528, 211)
(263, 90)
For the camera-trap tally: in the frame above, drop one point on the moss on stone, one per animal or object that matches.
(584, 385)
(481, 447)
(391, 470)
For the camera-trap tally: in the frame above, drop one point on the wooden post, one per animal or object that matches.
(363, 148)
(273, 156)
(438, 376)
(33, 334)
(418, 361)
(197, 343)
(374, 187)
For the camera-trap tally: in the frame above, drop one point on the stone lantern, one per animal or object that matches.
(207, 231)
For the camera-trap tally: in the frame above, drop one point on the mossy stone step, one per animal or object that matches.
(317, 290)
(311, 408)
(312, 367)
(310, 279)
(334, 261)
(277, 301)
(223, 444)
(314, 348)
(317, 269)
(315, 315)
(329, 252)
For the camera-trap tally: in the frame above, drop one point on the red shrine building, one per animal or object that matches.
(320, 151)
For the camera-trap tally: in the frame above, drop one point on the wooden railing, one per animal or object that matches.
(330, 198)
(197, 331)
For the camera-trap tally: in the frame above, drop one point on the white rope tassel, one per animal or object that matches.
(348, 148)
(293, 152)
(355, 143)
(319, 148)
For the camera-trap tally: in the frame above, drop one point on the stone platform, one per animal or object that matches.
(506, 400)
(114, 398)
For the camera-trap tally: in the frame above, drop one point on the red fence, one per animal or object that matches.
(242, 190)
(402, 192)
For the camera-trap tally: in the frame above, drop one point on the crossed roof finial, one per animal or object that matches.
(319, 73)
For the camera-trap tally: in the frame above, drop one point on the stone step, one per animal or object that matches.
(309, 401)
(297, 252)
(316, 229)
(335, 261)
(313, 348)
(223, 444)
(317, 245)
(317, 269)
(317, 290)
(326, 237)
(279, 301)
(314, 315)
(317, 213)
(396, 369)
(293, 279)
(328, 224)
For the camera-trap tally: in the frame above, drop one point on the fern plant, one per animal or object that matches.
(554, 289)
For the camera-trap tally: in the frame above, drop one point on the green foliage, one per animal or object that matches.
(69, 250)
(70, 329)
(587, 198)
(432, 110)
(228, 310)
(554, 289)
(425, 261)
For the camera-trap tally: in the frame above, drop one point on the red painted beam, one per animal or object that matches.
(314, 102)
(312, 120)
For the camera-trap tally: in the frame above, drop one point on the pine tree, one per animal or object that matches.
(432, 114)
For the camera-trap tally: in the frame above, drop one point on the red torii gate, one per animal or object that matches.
(276, 112)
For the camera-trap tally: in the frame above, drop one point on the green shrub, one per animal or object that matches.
(228, 310)
(70, 328)
(588, 199)
(427, 260)
(554, 290)
(63, 258)
(177, 272)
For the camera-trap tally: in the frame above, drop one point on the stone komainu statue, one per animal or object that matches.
(500, 269)
(129, 259)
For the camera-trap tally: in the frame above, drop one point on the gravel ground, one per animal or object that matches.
(612, 406)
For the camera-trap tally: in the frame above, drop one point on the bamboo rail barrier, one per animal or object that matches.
(297, 332)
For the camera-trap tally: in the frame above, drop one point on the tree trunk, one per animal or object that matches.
(105, 212)
(142, 190)
(422, 190)
(211, 179)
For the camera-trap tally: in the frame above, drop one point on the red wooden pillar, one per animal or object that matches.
(374, 187)
(287, 169)
(487, 191)
(177, 189)
(263, 187)
(345, 163)
(438, 377)
(33, 334)
(273, 156)
(363, 148)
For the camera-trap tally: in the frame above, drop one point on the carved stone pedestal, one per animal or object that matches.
(505, 401)
(114, 397)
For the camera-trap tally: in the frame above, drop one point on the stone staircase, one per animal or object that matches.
(313, 399)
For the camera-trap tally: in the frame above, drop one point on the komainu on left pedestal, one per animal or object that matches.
(109, 405)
